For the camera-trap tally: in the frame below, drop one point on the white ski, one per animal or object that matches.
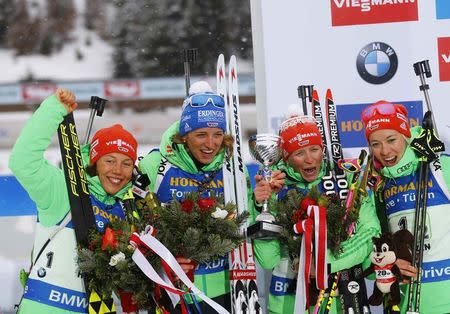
(243, 289)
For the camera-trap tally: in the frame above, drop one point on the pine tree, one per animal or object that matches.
(5, 11)
(60, 20)
(150, 34)
(95, 16)
(23, 32)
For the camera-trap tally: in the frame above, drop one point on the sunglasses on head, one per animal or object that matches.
(383, 108)
(201, 100)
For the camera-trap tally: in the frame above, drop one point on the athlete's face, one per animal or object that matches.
(307, 162)
(388, 146)
(204, 143)
(114, 171)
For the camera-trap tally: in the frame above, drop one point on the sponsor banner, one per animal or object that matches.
(14, 200)
(10, 94)
(122, 89)
(84, 91)
(163, 88)
(442, 9)
(444, 57)
(351, 127)
(355, 12)
(37, 92)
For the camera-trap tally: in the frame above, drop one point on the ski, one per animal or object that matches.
(228, 170)
(350, 282)
(243, 289)
(80, 202)
(328, 181)
(335, 145)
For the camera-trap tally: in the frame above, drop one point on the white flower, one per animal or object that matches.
(115, 259)
(219, 213)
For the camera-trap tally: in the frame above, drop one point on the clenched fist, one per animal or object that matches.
(67, 98)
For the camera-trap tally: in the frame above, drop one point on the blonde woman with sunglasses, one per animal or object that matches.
(190, 158)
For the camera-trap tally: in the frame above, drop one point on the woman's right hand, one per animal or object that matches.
(67, 98)
(406, 269)
(263, 189)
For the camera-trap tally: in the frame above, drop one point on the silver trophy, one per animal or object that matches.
(265, 149)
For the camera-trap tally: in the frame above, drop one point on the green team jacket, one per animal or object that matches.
(398, 212)
(172, 171)
(272, 255)
(46, 186)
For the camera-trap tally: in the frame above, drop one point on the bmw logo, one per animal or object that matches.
(41, 272)
(377, 63)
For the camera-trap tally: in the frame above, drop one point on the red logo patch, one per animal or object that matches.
(444, 58)
(355, 12)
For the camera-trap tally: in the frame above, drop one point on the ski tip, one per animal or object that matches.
(329, 95)
(315, 95)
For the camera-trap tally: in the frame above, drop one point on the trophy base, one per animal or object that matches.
(264, 230)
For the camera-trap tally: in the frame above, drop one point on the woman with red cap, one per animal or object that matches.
(388, 134)
(53, 285)
(302, 168)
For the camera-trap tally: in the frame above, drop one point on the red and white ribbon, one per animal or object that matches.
(317, 223)
(148, 241)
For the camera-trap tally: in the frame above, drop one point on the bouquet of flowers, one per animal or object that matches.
(199, 228)
(108, 266)
(292, 209)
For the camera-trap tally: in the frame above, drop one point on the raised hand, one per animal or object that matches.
(67, 98)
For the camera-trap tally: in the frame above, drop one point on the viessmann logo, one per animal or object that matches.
(354, 12)
(444, 58)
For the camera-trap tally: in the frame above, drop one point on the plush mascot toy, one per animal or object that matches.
(386, 250)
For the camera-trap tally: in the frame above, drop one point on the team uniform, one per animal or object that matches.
(399, 196)
(172, 172)
(54, 284)
(272, 255)
(301, 139)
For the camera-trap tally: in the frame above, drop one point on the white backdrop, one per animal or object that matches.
(295, 43)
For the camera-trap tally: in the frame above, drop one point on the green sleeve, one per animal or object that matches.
(44, 182)
(149, 166)
(445, 163)
(358, 247)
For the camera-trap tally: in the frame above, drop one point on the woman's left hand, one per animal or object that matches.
(277, 180)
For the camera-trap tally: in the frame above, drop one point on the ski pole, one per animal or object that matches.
(426, 146)
(422, 69)
(189, 57)
(97, 106)
(304, 92)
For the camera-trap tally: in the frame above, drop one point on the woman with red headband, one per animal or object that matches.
(303, 167)
(53, 284)
(388, 134)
